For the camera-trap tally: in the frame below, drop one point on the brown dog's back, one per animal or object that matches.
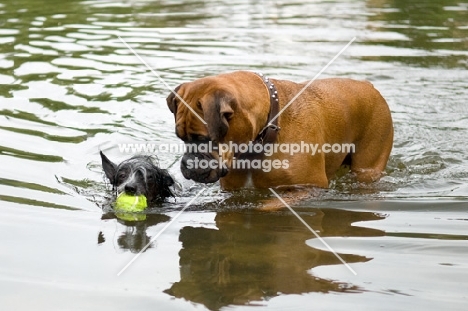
(345, 111)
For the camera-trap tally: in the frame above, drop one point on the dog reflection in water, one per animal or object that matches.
(139, 175)
(252, 256)
(133, 235)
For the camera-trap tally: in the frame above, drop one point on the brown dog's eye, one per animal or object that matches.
(199, 105)
(228, 115)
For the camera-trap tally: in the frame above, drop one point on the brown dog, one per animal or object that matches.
(240, 108)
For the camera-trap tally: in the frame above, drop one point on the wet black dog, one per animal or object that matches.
(139, 175)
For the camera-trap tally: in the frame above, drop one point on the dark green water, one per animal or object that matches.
(69, 87)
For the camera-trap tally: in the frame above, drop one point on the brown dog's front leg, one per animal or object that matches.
(291, 195)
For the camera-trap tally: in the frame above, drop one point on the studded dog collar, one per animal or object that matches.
(269, 132)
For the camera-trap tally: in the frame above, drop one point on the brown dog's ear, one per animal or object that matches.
(217, 117)
(172, 100)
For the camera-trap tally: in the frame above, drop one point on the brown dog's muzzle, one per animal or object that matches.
(202, 167)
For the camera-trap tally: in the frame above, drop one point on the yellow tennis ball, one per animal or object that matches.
(130, 203)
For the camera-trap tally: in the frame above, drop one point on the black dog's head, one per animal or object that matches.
(138, 176)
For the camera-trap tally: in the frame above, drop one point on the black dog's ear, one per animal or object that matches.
(164, 182)
(108, 167)
(168, 181)
(218, 116)
(172, 100)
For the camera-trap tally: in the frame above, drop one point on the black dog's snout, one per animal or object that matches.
(130, 189)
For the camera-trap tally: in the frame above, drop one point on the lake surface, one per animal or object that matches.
(69, 87)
